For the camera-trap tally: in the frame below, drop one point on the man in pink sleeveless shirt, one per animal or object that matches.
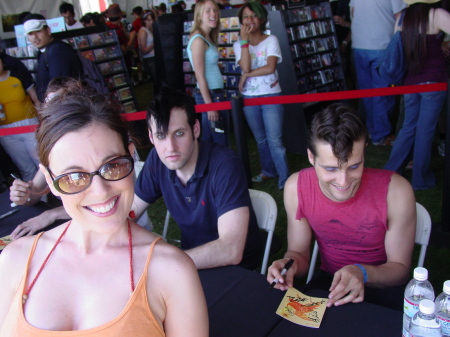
(363, 219)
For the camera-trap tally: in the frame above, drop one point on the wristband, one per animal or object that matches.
(363, 271)
(244, 42)
(244, 45)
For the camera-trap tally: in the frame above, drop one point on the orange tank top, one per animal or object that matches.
(136, 319)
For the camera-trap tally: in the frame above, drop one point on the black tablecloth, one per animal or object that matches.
(240, 305)
(8, 224)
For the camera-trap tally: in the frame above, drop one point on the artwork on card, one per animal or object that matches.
(302, 309)
(4, 241)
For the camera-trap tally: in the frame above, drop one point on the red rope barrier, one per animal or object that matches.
(303, 98)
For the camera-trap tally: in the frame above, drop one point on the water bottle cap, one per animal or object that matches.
(447, 287)
(420, 274)
(427, 307)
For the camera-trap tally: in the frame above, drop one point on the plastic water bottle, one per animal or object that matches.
(419, 288)
(443, 309)
(425, 323)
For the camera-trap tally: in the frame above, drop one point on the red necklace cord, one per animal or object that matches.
(25, 295)
(130, 249)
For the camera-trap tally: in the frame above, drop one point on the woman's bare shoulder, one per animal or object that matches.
(14, 257)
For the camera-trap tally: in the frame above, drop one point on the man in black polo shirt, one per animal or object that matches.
(203, 186)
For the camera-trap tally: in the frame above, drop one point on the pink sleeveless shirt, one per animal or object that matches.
(347, 232)
(136, 319)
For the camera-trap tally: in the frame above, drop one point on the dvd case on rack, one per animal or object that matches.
(108, 37)
(125, 94)
(224, 38)
(187, 66)
(225, 23)
(119, 80)
(185, 40)
(129, 107)
(88, 54)
(81, 42)
(96, 39)
(234, 22)
(234, 36)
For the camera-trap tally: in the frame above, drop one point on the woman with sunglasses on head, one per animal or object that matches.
(204, 56)
(147, 46)
(258, 54)
(99, 274)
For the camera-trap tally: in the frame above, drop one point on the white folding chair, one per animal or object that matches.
(423, 231)
(266, 211)
(166, 226)
(144, 220)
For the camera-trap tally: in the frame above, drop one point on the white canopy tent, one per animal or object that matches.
(50, 8)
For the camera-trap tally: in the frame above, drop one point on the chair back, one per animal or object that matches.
(266, 211)
(423, 231)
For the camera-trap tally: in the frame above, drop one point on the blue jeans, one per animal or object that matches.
(22, 149)
(207, 134)
(378, 109)
(416, 136)
(266, 123)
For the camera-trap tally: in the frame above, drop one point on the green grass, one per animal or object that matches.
(436, 260)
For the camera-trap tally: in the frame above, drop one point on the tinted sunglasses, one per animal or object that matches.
(76, 182)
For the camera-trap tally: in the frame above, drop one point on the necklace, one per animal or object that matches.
(130, 250)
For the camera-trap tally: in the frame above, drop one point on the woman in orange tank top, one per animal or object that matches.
(100, 274)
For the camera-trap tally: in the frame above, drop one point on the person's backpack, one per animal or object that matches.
(90, 72)
(92, 75)
(392, 65)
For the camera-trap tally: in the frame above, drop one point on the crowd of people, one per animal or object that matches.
(84, 153)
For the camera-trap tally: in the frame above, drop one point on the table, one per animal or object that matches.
(240, 305)
(8, 224)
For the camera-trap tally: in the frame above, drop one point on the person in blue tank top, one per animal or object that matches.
(204, 56)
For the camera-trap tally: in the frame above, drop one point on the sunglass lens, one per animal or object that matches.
(74, 182)
(116, 169)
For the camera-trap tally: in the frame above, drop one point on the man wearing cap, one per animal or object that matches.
(55, 58)
(68, 13)
(114, 15)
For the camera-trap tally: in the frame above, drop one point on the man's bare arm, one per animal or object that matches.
(299, 241)
(139, 206)
(228, 249)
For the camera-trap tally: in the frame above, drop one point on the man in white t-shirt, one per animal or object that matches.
(372, 29)
(67, 11)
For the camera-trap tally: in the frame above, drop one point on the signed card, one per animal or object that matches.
(302, 309)
(4, 241)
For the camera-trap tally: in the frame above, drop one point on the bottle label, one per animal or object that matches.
(410, 308)
(445, 325)
(405, 333)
